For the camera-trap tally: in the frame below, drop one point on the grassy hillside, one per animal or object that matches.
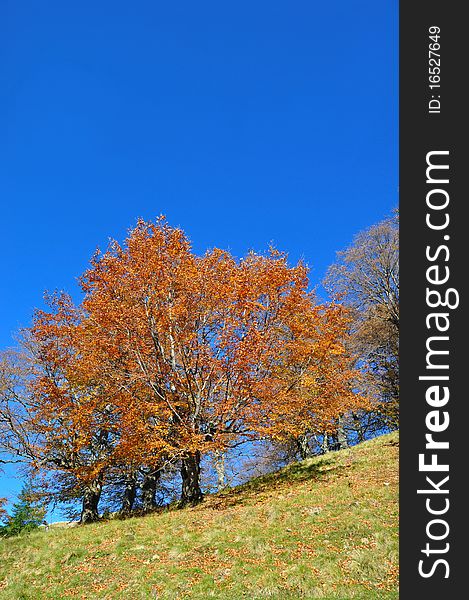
(324, 528)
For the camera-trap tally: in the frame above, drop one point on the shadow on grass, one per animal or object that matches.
(318, 470)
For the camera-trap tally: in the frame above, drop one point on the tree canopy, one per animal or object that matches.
(170, 356)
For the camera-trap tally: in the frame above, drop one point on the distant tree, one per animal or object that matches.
(3, 512)
(18, 440)
(366, 279)
(27, 513)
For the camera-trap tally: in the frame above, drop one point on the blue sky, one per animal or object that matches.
(242, 122)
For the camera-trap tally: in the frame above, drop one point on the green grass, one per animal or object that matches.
(324, 528)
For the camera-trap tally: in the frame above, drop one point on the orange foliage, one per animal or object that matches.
(172, 353)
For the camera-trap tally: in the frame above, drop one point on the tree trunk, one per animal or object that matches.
(149, 486)
(342, 441)
(190, 473)
(325, 444)
(357, 425)
(303, 447)
(90, 501)
(219, 464)
(130, 491)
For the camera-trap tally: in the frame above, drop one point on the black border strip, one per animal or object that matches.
(421, 247)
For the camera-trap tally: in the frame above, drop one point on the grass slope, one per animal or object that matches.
(323, 528)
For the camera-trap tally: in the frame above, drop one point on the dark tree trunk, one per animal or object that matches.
(149, 486)
(342, 441)
(190, 473)
(130, 491)
(90, 501)
(303, 447)
(358, 426)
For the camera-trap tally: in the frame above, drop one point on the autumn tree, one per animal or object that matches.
(366, 279)
(170, 357)
(82, 440)
(198, 351)
(3, 511)
(73, 418)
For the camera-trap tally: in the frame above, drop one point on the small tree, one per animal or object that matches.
(3, 512)
(27, 513)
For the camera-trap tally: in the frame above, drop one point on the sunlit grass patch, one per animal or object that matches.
(324, 528)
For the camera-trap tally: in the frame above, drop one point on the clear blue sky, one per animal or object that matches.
(242, 122)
